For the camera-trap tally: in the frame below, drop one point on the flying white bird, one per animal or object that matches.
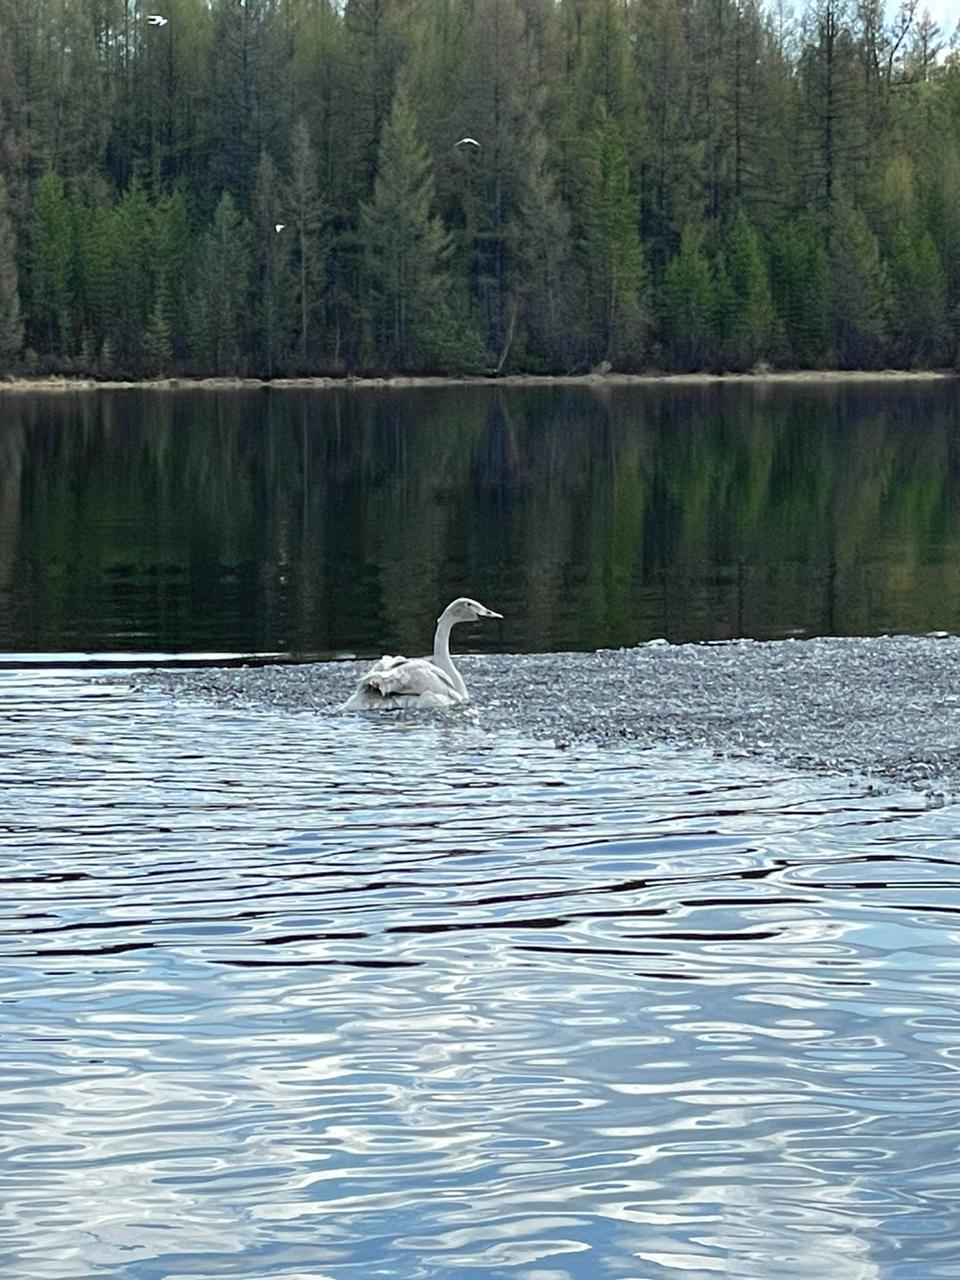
(278, 226)
(157, 20)
(467, 142)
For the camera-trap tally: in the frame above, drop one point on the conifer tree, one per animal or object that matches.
(52, 259)
(157, 344)
(222, 287)
(918, 297)
(612, 251)
(545, 269)
(860, 288)
(799, 278)
(306, 213)
(406, 246)
(271, 260)
(134, 243)
(746, 268)
(11, 324)
(100, 278)
(174, 254)
(688, 303)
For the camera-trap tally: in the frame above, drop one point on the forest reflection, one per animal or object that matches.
(323, 522)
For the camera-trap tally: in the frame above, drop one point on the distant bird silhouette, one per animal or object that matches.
(157, 20)
(467, 142)
(278, 226)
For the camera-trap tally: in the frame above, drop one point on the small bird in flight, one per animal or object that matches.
(467, 142)
(157, 20)
(278, 226)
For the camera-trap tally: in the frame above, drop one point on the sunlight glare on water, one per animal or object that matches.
(300, 995)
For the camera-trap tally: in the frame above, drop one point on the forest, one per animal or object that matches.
(305, 187)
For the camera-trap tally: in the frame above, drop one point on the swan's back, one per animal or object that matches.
(396, 682)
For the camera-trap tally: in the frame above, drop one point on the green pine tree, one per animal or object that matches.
(751, 330)
(52, 262)
(406, 247)
(860, 288)
(613, 255)
(222, 286)
(11, 322)
(919, 297)
(174, 255)
(799, 279)
(306, 211)
(157, 345)
(688, 302)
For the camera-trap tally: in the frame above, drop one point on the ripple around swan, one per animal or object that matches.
(301, 996)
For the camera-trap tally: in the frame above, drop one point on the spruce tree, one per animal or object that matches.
(157, 345)
(306, 213)
(613, 255)
(271, 264)
(919, 297)
(752, 321)
(174, 254)
(11, 323)
(222, 290)
(860, 288)
(406, 247)
(100, 276)
(799, 281)
(688, 302)
(52, 261)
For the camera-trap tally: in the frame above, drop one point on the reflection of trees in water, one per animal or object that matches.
(12, 448)
(603, 516)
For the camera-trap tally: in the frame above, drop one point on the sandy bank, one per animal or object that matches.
(813, 377)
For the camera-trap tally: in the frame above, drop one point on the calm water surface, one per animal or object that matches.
(315, 523)
(310, 997)
(304, 996)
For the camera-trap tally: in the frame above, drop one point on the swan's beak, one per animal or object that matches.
(489, 613)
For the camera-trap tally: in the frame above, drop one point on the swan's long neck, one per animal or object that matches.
(441, 653)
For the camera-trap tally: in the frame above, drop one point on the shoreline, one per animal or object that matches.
(810, 377)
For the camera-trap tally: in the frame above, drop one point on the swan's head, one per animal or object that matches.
(467, 610)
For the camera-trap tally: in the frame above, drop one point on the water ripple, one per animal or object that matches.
(299, 996)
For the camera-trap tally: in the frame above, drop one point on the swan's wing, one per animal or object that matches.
(395, 681)
(410, 677)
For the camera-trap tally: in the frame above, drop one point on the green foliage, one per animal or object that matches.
(157, 345)
(860, 288)
(799, 278)
(749, 324)
(612, 252)
(52, 260)
(273, 290)
(306, 212)
(11, 323)
(221, 290)
(817, 159)
(688, 303)
(406, 247)
(919, 294)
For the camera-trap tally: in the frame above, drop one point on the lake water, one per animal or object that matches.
(309, 996)
(282, 521)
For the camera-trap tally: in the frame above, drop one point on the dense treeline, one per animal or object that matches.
(678, 184)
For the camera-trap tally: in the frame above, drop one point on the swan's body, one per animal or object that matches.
(396, 682)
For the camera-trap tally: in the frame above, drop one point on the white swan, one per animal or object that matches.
(420, 682)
